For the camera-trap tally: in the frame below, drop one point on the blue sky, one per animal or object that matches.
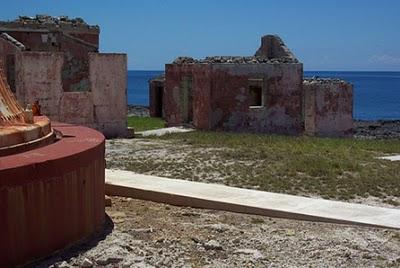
(325, 35)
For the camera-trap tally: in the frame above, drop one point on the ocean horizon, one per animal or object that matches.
(376, 93)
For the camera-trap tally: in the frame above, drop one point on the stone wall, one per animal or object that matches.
(178, 98)
(38, 77)
(220, 97)
(328, 107)
(41, 32)
(272, 47)
(108, 83)
(102, 106)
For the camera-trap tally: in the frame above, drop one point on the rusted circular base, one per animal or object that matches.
(51, 196)
(17, 138)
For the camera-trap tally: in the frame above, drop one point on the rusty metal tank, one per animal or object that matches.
(51, 186)
(19, 130)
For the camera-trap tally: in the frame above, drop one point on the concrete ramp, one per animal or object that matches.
(220, 197)
(391, 158)
(164, 131)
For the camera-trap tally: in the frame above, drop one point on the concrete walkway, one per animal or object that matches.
(164, 131)
(220, 197)
(391, 158)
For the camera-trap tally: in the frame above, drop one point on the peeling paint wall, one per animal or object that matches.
(201, 89)
(221, 97)
(328, 108)
(102, 106)
(38, 77)
(108, 84)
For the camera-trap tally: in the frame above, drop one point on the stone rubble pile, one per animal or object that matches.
(319, 80)
(48, 21)
(234, 60)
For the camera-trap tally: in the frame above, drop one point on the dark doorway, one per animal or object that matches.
(255, 92)
(159, 101)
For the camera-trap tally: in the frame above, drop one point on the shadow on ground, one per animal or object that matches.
(77, 248)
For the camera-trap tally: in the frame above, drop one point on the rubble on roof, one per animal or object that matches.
(319, 80)
(233, 60)
(46, 20)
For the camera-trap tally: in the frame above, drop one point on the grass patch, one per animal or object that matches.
(140, 123)
(332, 168)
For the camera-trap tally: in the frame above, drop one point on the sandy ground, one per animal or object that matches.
(146, 234)
(166, 158)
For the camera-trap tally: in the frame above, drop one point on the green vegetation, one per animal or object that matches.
(145, 123)
(332, 168)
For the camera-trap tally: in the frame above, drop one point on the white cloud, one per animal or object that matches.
(384, 59)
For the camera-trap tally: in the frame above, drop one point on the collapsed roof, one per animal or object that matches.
(272, 50)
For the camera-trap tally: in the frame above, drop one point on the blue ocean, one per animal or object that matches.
(376, 94)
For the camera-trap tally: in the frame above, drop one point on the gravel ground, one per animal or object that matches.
(167, 158)
(146, 234)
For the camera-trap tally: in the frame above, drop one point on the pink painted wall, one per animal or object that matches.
(221, 97)
(38, 77)
(328, 108)
(102, 106)
(108, 84)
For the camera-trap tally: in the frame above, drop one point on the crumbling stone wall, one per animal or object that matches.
(221, 97)
(262, 93)
(108, 86)
(328, 107)
(55, 62)
(176, 99)
(59, 34)
(38, 77)
(102, 106)
(42, 32)
(272, 47)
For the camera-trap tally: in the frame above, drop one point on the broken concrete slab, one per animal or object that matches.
(221, 197)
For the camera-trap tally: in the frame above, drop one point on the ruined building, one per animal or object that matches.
(56, 61)
(263, 93)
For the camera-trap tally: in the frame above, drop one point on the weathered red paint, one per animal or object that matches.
(52, 196)
(328, 108)
(224, 91)
(221, 97)
(62, 69)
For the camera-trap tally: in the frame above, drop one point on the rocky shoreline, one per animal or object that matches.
(379, 129)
